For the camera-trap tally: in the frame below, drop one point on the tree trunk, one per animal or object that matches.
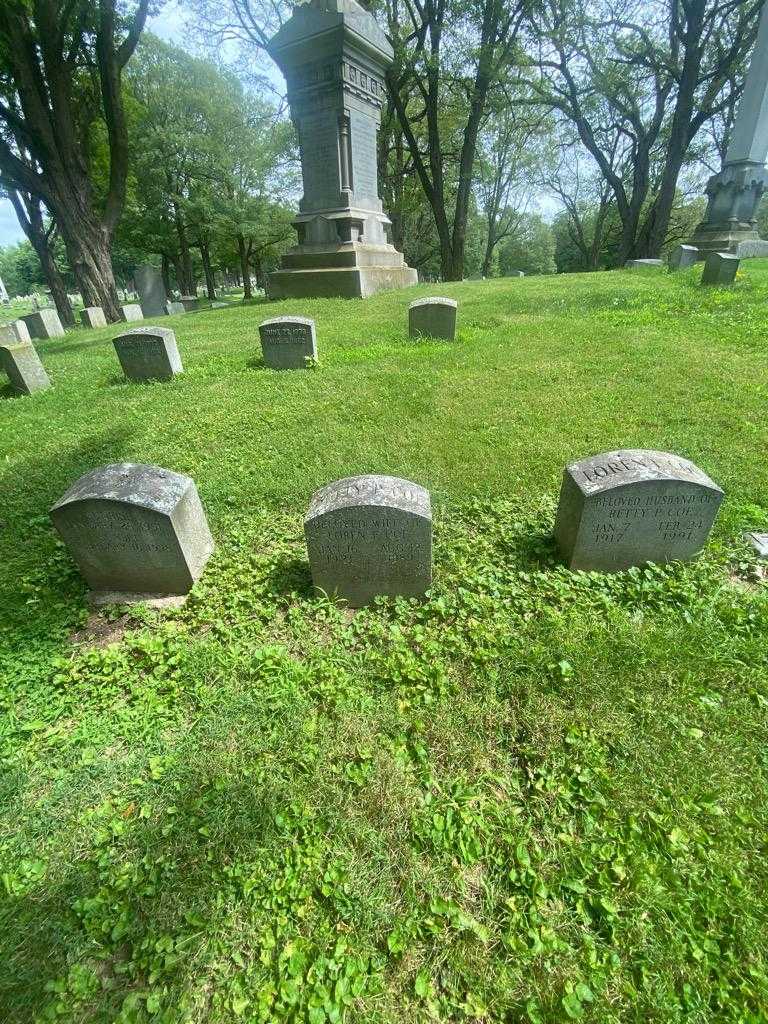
(30, 218)
(57, 286)
(245, 270)
(210, 282)
(88, 250)
(187, 284)
(165, 272)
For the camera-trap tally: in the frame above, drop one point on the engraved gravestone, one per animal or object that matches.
(720, 269)
(44, 323)
(135, 530)
(432, 318)
(148, 353)
(15, 331)
(287, 342)
(633, 506)
(93, 316)
(131, 311)
(149, 285)
(22, 364)
(369, 536)
(683, 256)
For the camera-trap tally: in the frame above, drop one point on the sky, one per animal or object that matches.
(169, 25)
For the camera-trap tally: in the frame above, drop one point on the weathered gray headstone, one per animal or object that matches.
(629, 507)
(642, 264)
(44, 323)
(683, 256)
(759, 542)
(191, 303)
(751, 250)
(135, 531)
(148, 353)
(432, 318)
(369, 536)
(93, 316)
(149, 285)
(287, 342)
(131, 311)
(22, 364)
(720, 268)
(17, 330)
(173, 308)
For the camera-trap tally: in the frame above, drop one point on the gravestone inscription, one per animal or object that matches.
(432, 318)
(369, 536)
(93, 316)
(720, 269)
(287, 342)
(44, 323)
(148, 353)
(633, 506)
(22, 364)
(683, 256)
(131, 311)
(135, 531)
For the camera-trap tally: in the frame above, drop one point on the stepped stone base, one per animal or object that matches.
(352, 270)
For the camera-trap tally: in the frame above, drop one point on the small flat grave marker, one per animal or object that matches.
(135, 531)
(131, 311)
(720, 269)
(633, 506)
(44, 323)
(432, 318)
(287, 342)
(148, 353)
(369, 536)
(22, 364)
(93, 316)
(683, 256)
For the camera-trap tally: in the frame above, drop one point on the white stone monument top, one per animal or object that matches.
(749, 143)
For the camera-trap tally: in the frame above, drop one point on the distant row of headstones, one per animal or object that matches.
(151, 352)
(140, 532)
(720, 268)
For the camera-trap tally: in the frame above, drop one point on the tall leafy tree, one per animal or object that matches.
(61, 65)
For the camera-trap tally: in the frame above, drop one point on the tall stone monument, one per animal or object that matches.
(734, 194)
(333, 56)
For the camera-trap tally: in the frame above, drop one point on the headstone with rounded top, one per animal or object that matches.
(131, 311)
(632, 506)
(136, 532)
(44, 324)
(720, 269)
(93, 316)
(370, 536)
(288, 342)
(683, 256)
(432, 318)
(22, 364)
(148, 353)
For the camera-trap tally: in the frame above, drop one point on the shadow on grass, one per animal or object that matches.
(54, 348)
(291, 575)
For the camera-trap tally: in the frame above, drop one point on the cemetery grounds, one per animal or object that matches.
(538, 796)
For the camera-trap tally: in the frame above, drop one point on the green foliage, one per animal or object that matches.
(538, 796)
(531, 248)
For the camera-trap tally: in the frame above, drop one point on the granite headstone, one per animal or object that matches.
(15, 331)
(288, 342)
(432, 318)
(44, 323)
(683, 256)
(22, 364)
(720, 269)
(149, 285)
(93, 316)
(135, 531)
(369, 536)
(629, 507)
(148, 353)
(191, 303)
(131, 311)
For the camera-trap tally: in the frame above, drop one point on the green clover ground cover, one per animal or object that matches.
(539, 796)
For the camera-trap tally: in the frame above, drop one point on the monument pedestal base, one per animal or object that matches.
(730, 221)
(351, 270)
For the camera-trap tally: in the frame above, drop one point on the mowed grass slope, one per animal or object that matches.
(538, 796)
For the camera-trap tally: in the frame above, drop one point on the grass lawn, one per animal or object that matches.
(539, 796)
